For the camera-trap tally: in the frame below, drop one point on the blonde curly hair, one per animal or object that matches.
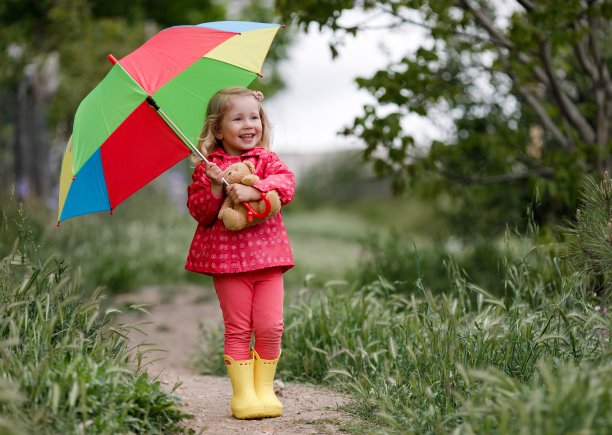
(218, 106)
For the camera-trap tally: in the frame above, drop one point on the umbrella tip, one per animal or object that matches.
(112, 59)
(283, 26)
(260, 75)
(58, 224)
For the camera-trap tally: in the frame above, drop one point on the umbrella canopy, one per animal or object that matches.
(120, 143)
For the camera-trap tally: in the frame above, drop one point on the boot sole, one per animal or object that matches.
(250, 415)
(272, 411)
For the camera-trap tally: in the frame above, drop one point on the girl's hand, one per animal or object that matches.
(214, 173)
(241, 193)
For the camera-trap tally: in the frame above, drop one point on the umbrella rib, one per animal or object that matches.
(167, 119)
(198, 97)
(161, 113)
(117, 102)
(180, 134)
(258, 74)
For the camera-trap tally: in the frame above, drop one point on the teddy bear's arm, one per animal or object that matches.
(249, 180)
(227, 203)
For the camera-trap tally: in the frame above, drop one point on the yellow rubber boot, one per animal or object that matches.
(245, 403)
(264, 378)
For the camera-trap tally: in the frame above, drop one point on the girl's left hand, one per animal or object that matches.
(241, 193)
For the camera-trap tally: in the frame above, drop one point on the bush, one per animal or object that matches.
(145, 242)
(339, 178)
(68, 365)
(560, 399)
(398, 260)
(590, 236)
(405, 356)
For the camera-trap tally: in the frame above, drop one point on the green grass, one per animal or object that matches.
(566, 398)
(463, 361)
(64, 365)
(423, 363)
(326, 243)
(407, 215)
(145, 242)
(329, 242)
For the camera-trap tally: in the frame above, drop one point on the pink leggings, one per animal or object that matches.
(252, 302)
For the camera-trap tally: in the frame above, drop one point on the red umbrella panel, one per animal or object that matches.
(120, 143)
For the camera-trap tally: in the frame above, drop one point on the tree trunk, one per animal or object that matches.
(32, 170)
(22, 139)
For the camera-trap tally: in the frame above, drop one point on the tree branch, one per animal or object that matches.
(496, 36)
(405, 20)
(568, 108)
(547, 121)
(585, 63)
(527, 4)
(563, 140)
(601, 88)
(536, 105)
(603, 128)
(593, 41)
(488, 24)
(595, 48)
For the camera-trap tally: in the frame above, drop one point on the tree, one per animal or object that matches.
(53, 52)
(590, 236)
(542, 119)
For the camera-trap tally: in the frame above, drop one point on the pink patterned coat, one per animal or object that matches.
(217, 250)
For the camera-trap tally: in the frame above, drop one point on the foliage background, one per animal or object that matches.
(526, 86)
(434, 285)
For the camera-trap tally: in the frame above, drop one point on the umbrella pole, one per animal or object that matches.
(178, 131)
(166, 118)
(251, 213)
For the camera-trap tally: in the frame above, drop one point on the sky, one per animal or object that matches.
(322, 97)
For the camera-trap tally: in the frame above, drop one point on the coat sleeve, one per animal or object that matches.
(202, 204)
(277, 176)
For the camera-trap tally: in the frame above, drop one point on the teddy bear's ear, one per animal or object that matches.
(250, 165)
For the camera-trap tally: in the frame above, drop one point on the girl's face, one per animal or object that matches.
(240, 128)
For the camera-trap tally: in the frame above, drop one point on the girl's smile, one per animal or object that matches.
(241, 127)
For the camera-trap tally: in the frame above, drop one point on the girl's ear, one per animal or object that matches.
(218, 134)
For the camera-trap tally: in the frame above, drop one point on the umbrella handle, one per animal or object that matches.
(253, 214)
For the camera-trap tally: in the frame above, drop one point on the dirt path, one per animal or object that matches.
(175, 329)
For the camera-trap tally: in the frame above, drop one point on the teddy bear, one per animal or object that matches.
(238, 216)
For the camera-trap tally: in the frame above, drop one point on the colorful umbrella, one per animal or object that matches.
(147, 113)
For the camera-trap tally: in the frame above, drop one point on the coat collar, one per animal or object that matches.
(220, 152)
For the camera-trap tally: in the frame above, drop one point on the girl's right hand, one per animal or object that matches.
(214, 173)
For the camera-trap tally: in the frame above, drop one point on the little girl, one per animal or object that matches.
(247, 266)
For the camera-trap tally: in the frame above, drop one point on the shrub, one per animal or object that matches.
(564, 398)
(404, 356)
(145, 242)
(68, 365)
(339, 178)
(397, 258)
(590, 236)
